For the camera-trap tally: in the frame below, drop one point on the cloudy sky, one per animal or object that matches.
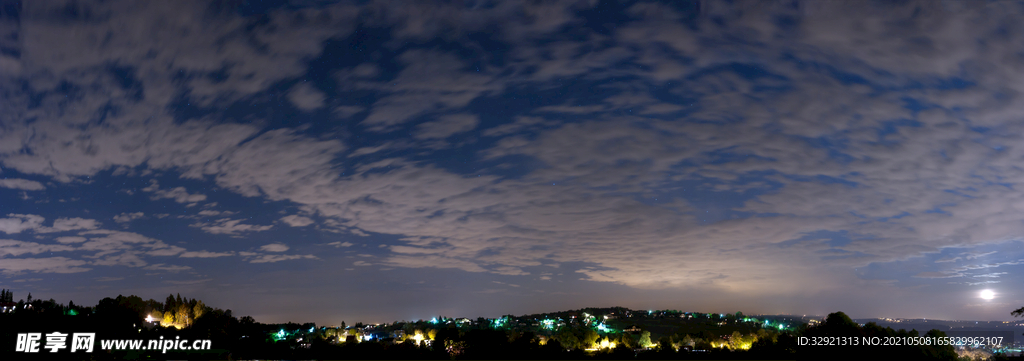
(382, 161)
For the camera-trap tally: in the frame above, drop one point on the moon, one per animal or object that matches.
(988, 294)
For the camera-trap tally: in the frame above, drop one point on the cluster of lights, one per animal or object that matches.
(548, 324)
(498, 322)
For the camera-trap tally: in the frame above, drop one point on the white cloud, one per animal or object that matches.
(189, 282)
(274, 247)
(11, 266)
(167, 268)
(305, 97)
(71, 224)
(117, 247)
(431, 81)
(447, 126)
(296, 221)
(179, 194)
(128, 217)
(23, 184)
(272, 258)
(15, 248)
(205, 254)
(562, 212)
(232, 227)
(20, 222)
(347, 111)
(71, 239)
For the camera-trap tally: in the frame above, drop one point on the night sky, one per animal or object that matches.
(381, 161)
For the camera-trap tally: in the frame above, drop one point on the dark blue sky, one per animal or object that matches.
(381, 161)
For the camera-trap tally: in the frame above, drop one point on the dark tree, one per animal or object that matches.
(1018, 312)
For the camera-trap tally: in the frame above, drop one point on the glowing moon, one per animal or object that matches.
(988, 294)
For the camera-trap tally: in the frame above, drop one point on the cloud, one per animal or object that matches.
(228, 226)
(347, 111)
(15, 248)
(23, 184)
(305, 97)
(205, 254)
(12, 266)
(296, 221)
(71, 224)
(801, 127)
(421, 261)
(274, 247)
(179, 194)
(431, 81)
(937, 275)
(16, 223)
(339, 244)
(167, 268)
(71, 239)
(117, 248)
(272, 258)
(521, 123)
(22, 222)
(189, 282)
(128, 217)
(447, 126)
(211, 213)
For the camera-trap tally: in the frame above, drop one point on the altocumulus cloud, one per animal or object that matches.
(774, 165)
(23, 184)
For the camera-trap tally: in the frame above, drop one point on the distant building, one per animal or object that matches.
(632, 329)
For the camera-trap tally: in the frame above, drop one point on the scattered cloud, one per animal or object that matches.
(15, 248)
(274, 247)
(233, 227)
(128, 217)
(339, 244)
(22, 184)
(447, 126)
(296, 221)
(189, 282)
(205, 254)
(178, 194)
(29, 280)
(167, 268)
(13, 266)
(851, 119)
(71, 224)
(16, 223)
(272, 258)
(305, 97)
